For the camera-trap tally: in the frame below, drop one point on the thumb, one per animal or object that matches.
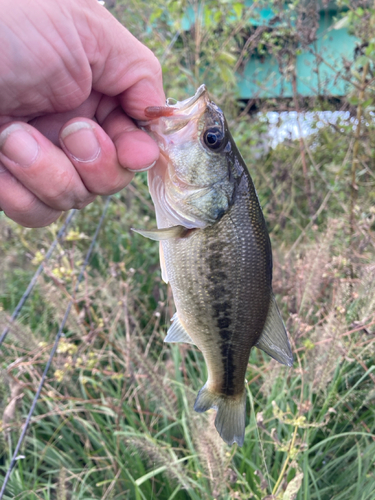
(121, 65)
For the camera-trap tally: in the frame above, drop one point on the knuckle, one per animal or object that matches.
(83, 203)
(66, 193)
(113, 187)
(156, 66)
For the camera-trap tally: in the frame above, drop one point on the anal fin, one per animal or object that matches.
(274, 339)
(177, 332)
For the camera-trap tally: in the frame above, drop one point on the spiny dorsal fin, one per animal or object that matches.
(162, 234)
(274, 339)
(177, 332)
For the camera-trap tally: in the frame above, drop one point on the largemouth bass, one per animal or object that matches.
(214, 251)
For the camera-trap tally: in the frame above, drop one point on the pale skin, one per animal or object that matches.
(72, 79)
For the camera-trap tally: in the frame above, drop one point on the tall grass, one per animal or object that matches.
(115, 419)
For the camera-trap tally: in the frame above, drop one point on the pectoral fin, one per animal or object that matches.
(162, 234)
(177, 332)
(274, 339)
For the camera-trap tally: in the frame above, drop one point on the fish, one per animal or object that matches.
(215, 252)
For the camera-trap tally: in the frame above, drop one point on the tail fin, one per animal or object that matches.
(231, 413)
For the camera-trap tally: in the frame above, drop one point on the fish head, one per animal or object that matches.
(191, 134)
(197, 161)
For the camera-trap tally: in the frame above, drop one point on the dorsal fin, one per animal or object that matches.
(177, 332)
(274, 339)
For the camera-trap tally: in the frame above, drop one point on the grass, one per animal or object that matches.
(115, 419)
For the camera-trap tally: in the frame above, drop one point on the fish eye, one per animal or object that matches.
(214, 138)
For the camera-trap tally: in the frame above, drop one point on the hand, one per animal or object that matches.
(71, 80)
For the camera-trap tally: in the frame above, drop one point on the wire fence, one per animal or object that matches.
(59, 334)
(38, 272)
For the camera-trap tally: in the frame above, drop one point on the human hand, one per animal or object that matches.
(70, 76)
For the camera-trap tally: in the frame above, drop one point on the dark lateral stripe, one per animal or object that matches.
(227, 360)
(221, 308)
(223, 323)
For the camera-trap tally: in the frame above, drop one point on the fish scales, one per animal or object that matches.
(215, 252)
(226, 285)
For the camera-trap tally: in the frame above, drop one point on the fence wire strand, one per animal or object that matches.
(59, 334)
(38, 272)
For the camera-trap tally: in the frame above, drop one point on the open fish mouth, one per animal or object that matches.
(187, 104)
(186, 108)
(175, 115)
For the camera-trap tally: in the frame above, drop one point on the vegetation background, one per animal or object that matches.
(115, 419)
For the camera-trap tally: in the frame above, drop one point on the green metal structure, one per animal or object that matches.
(320, 67)
(325, 76)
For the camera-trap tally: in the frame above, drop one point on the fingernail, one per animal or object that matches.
(18, 145)
(80, 140)
(142, 169)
